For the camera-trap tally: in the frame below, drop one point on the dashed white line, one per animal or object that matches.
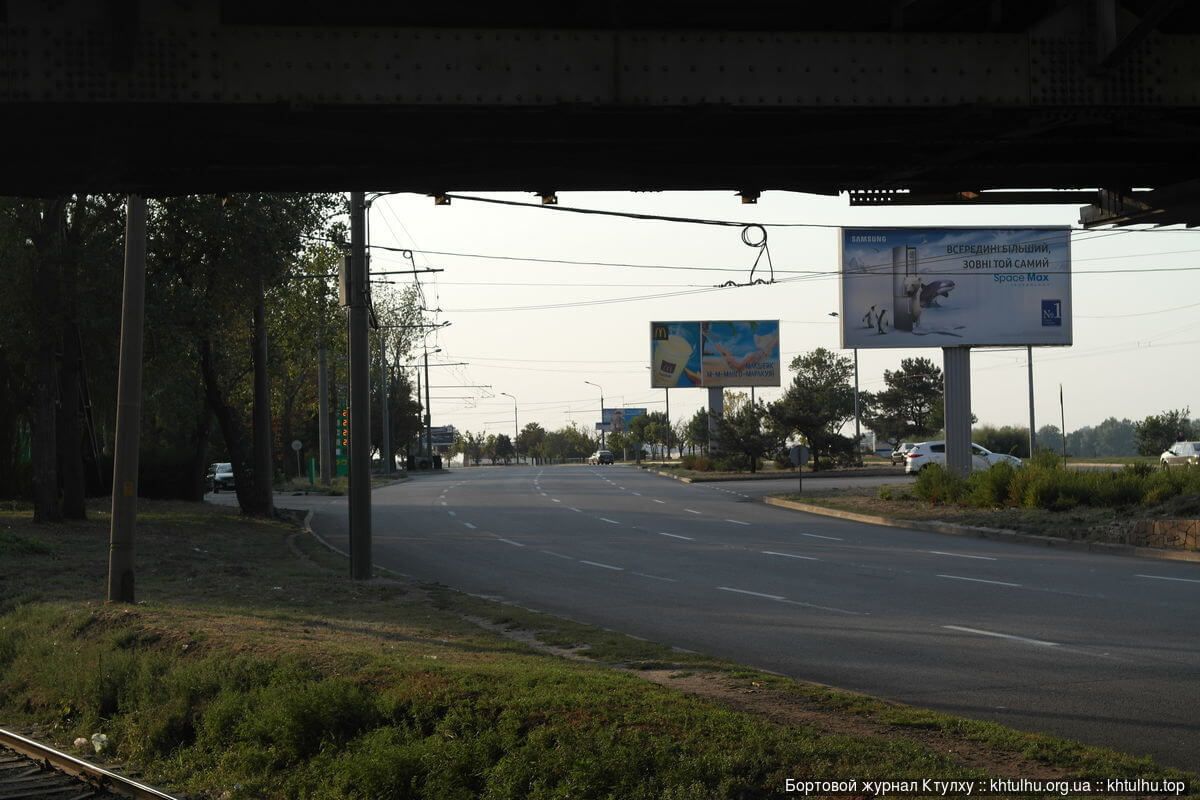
(609, 521)
(555, 500)
(752, 594)
(556, 555)
(676, 536)
(469, 525)
(452, 513)
(818, 536)
(576, 510)
(737, 522)
(1165, 578)
(960, 555)
(654, 577)
(637, 494)
(661, 502)
(693, 511)
(510, 541)
(1009, 636)
(602, 566)
(980, 580)
(788, 555)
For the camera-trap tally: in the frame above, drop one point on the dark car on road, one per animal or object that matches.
(601, 457)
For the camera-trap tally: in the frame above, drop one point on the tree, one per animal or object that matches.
(695, 432)
(1049, 437)
(819, 401)
(1007, 439)
(1157, 432)
(749, 432)
(503, 448)
(531, 440)
(910, 408)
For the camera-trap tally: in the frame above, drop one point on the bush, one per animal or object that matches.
(990, 488)
(697, 463)
(936, 484)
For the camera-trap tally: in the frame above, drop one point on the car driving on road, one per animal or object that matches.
(923, 454)
(219, 476)
(1180, 454)
(601, 457)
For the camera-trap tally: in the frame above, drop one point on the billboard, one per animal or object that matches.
(955, 287)
(687, 354)
(618, 419)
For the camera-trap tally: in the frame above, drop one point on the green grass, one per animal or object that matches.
(251, 668)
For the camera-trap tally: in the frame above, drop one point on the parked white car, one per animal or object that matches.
(1180, 454)
(898, 455)
(923, 454)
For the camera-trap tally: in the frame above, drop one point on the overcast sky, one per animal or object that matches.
(537, 329)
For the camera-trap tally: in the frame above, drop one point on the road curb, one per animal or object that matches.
(869, 473)
(996, 534)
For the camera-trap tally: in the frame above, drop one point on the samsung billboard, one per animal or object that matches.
(955, 287)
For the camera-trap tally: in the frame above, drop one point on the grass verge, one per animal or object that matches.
(253, 669)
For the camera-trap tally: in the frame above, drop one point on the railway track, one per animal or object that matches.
(32, 771)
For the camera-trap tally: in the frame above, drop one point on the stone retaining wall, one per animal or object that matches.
(1176, 534)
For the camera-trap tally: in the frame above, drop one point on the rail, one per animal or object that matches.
(95, 776)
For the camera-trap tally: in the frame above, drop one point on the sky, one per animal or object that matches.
(528, 319)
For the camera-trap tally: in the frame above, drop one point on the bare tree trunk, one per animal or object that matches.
(69, 433)
(231, 431)
(44, 411)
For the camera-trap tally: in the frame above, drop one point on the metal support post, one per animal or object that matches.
(716, 409)
(129, 407)
(428, 415)
(360, 396)
(857, 415)
(957, 382)
(1032, 434)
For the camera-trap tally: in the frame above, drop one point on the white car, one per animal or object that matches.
(1181, 454)
(898, 455)
(923, 454)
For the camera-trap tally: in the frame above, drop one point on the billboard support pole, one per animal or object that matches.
(716, 410)
(957, 382)
(1029, 362)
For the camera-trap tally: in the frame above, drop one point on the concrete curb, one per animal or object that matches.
(868, 473)
(996, 534)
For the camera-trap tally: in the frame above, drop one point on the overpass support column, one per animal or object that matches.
(360, 395)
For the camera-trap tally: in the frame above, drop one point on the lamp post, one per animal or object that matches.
(515, 433)
(601, 388)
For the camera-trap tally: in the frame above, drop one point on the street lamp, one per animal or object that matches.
(515, 434)
(601, 388)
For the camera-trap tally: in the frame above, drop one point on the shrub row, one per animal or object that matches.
(1045, 483)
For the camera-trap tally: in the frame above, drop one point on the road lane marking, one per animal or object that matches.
(654, 577)
(555, 500)
(637, 494)
(979, 580)
(1165, 578)
(752, 594)
(510, 541)
(452, 513)
(576, 510)
(788, 555)
(824, 608)
(602, 566)
(609, 521)
(543, 494)
(556, 555)
(737, 522)
(693, 511)
(469, 525)
(1008, 636)
(818, 536)
(676, 536)
(661, 502)
(960, 555)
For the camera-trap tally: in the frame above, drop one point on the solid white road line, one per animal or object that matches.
(818, 536)
(1165, 578)
(979, 580)
(654, 577)
(602, 566)
(737, 522)
(637, 494)
(556, 555)
(609, 521)
(788, 555)
(960, 555)
(576, 510)
(676, 536)
(1010, 637)
(469, 525)
(661, 502)
(693, 511)
(555, 499)
(510, 541)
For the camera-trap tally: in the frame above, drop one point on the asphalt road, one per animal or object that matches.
(1099, 648)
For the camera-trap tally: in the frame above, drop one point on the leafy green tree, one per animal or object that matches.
(696, 431)
(531, 439)
(910, 408)
(1049, 437)
(749, 433)
(1158, 431)
(1007, 439)
(818, 403)
(503, 448)
(1112, 437)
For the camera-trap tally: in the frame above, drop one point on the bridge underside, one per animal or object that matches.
(920, 101)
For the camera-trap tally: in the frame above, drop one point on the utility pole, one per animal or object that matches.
(360, 395)
(428, 416)
(515, 430)
(129, 407)
(598, 386)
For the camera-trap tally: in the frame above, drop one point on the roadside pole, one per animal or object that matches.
(360, 395)
(957, 382)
